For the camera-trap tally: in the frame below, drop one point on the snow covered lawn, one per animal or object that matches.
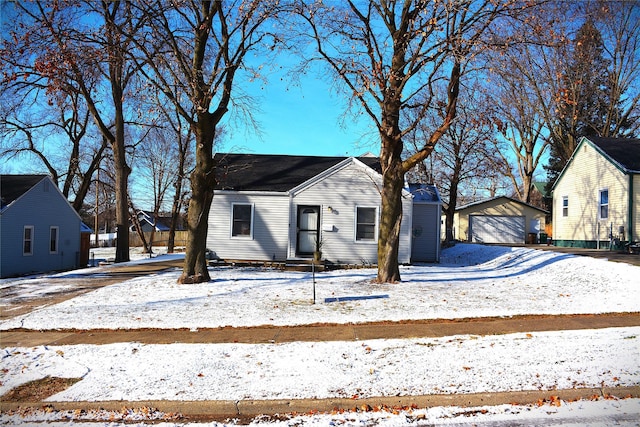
(471, 281)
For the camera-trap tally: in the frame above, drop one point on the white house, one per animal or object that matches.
(285, 208)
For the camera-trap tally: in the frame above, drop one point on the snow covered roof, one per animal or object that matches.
(424, 193)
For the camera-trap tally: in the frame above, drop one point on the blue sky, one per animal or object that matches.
(301, 119)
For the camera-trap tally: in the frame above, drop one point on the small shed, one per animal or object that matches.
(500, 220)
(427, 210)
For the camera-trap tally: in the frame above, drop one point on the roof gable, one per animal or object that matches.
(624, 152)
(507, 199)
(12, 187)
(269, 172)
(160, 222)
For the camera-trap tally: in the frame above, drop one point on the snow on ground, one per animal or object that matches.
(383, 367)
(471, 281)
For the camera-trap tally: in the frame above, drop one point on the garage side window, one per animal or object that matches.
(565, 206)
(27, 240)
(603, 208)
(241, 220)
(366, 224)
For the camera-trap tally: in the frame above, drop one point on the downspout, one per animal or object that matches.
(630, 219)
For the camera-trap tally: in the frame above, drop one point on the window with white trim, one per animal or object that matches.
(603, 204)
(366, 224)
(242, 220)
(27, 240)
(565, 206)
(53, 239)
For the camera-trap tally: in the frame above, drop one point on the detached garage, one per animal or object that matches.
(500, 220)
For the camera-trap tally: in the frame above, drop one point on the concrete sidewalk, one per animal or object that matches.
(244, 411)
(322, 332)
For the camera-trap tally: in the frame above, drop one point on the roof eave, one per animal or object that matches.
(253, 192)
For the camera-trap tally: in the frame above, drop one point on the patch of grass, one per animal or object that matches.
(38, 390)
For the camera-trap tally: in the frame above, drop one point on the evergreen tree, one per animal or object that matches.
(583, 100)
(593, 96)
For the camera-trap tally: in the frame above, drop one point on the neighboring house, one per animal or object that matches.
(596, 197)
(284, 208)
(499, 220)
(539, 195)
(39, 230)
(148, 223)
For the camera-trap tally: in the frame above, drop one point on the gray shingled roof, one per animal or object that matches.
(14, 186)
(624, 151)
(271, 172)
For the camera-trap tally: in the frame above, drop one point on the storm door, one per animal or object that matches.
(308, 229)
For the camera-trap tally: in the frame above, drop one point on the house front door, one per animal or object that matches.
(308, 229)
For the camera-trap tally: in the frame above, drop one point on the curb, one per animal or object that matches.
(220, 410)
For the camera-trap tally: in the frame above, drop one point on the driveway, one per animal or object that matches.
(17, 300)
(615, 255)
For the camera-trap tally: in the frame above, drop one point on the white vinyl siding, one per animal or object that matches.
(352, 186)
(270, 224)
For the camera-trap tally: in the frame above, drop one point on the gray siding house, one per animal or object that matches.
(39, 230)
(286, 208)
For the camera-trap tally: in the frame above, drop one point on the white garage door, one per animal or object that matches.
(497, 229)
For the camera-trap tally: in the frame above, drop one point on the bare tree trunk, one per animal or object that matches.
(391, 217)
(202, 184)
(122, 179)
